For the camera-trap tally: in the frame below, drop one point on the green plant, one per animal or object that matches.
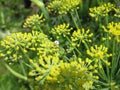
(67, 54)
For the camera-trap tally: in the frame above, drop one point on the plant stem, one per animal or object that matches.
(15, 73)
(102, 72)
(106, 20)
(74, 47)
(27, 65)
(108, 72)
(86, 45)
(113, 59)
(22, 67)
(40, 29)
(42, 7)
(24, 53)
(78, 18)
(118, 72)
(74, 21)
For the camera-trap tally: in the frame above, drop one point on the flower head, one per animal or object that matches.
(82, 35)
(117, 14)
(54, 6)
(33, 21)
(63, 6)
(58, 74)
(99, 54)
(113, 29)
(102, 10)
(61, 30)
(74, 73)
(16, 45)
(46, 67)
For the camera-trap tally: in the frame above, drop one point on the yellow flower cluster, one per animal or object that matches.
(102, 10)
(99, 53)
(34, 21)
(15, 43)
(59, 75)
(63, 6)
(82, 35)
(46, 66)
(74, 73)
(114, 29)
(61, 30)
(117, 10)
(18, 44)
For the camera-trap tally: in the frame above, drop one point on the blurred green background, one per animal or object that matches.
(12, 16)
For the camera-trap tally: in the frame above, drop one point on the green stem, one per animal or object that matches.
(42, 7)
(2, 18)
(15, 73)
(108, 72)
(24, 53)
(22, 67)
(100, 24)
(106, 20)
(67, 59)
(31, 88)
(113, 59)
(86, 45)
(27, 65)
(86, 6)
(101, 71)
(40, 29)
(118, 72)
(117, 63)
(78, 51)
(78, 18)
(74, 47)
(61, 18)
(74, 21)
(81, 6)
(74, 54)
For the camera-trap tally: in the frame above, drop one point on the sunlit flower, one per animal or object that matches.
(117, 14)
(82, 35)
(61, 30)
(33, 21)
(63, 6)
(113, 29)
(17, 44)
(99, 55)
(98, 52)
(46, 67)
(102, 10)
(58, 74)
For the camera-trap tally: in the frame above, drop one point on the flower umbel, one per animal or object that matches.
(99, 54)
(58, 74)
(102, 10)
(61, 30)
(117, 14)
(45, 67)
(33, 21)
(18, 44)
(82, 35)
(63, 6)
(113, 29)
